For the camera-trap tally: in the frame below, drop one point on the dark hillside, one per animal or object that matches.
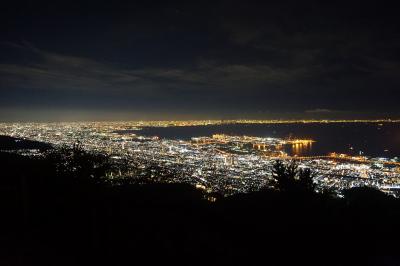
(49, 218)
(10, 143)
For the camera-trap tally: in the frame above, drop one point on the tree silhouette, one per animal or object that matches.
(77, 163)
(289, 178)
(305, 179)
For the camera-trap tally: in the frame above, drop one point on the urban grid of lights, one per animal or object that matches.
(218, 163)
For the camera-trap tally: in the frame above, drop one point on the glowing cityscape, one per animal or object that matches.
(220, 163)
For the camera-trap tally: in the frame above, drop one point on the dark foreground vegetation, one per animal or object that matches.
(58, 211)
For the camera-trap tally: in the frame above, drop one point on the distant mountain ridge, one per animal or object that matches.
(11, 143)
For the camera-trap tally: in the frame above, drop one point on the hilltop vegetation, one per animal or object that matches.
(57, 210)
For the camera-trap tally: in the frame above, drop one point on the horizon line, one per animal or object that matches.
(219, 121)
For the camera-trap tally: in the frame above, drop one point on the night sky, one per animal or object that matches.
(191, 59)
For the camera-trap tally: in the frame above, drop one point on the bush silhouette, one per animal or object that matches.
(290, 178)
(76, 163)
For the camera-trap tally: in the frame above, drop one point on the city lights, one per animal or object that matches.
(220, 163)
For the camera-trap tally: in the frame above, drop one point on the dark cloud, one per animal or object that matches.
(320, 110)
(226, 57)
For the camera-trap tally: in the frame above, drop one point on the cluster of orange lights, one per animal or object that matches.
(300, 141)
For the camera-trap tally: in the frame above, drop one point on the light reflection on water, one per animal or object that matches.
(301, 149)
(351, 138)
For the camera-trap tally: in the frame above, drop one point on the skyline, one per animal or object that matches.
(203, 122)
(175, 60)
(219, 159)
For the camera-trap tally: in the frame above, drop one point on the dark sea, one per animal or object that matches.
(369, 139)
